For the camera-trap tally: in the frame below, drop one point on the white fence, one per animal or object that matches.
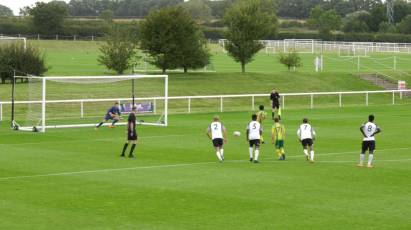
(284, 96)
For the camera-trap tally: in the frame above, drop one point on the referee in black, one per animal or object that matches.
(275, 99)
(131, 134)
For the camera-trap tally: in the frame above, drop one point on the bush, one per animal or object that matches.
(15, 57)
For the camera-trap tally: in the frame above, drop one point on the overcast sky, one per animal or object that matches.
(15, 5)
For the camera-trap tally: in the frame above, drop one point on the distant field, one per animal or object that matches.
(75, 179)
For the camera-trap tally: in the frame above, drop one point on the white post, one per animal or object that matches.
(252, 103)
(321, 62)
(312, 101)
(393, 97)
(401, 95)
(92, 37)
(57, 37)
(221, 104)
(340, 99)
(395, 63)
(366, 98)
(155, 106)
(81, 109)
(358, 63)
(43, 107)
(38, 36)
(189, 105)
(166, 101)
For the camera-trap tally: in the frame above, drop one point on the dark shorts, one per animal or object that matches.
(255, 143)
(307, 142)
(131, 137)
(368, 145)
(218, 142)
(108, 117)
(276, 105)
(279, 144)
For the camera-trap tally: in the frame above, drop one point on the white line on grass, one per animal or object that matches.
(188, 164)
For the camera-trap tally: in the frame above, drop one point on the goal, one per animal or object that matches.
(40, 103)
(350, 51)
(4, 40)
(299, 45)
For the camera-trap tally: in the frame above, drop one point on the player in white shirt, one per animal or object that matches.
(368, 130)
(218, 134)
(306, 135)
(254, 132)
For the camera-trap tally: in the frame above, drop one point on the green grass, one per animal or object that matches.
(74, 179)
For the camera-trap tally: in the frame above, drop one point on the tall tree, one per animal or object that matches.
(172, 39)
(248, 22)
(325, 21)
(48, 18)
(5, 11)
(198, 9)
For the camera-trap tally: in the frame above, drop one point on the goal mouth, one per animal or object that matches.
(40, 103)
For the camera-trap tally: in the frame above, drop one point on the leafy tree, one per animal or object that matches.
(357, 22)
(48, 18)
(118, 51)
(15, 57)
(378, 15)
(5, 11)
(404, 26)
(247, 23)
(291, 59)
(198, 9)
(386, 27)
(107, 16)
(172, 39)
(401, 10)
(325, 21)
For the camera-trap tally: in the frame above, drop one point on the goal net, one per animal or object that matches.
(4, 41)
(299, 45)
(40, 103)
(350, 51)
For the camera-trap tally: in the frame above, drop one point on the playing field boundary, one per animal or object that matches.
(198, 163)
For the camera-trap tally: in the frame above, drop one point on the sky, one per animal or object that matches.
(15, 5)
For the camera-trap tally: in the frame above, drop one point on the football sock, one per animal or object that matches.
(124, 149)
(278, 152)
(133, 146)
(312, 155)
(100, 124)
(306, 152)
(222, 153)
(115, 121)
(362, 158)
(218, 156)
(251, 152)
(257, 152)
(272, 115)
(370, 158)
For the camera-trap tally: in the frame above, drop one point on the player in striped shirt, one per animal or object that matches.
(218, 134)
(368, 130)
(277, 138)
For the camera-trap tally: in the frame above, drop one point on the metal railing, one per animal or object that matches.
(253, 97)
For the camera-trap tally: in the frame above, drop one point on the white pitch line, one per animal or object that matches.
(189, 164)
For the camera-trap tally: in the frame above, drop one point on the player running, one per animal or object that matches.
(112, 114)
(368, 130)
(131, 134)
(254, 132)
(261, 115)
(275, 101)
(306, 135)
(218, 134)
(277, 138)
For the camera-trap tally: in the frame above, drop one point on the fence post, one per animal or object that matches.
(189, 105)
(92, 37)
(38, 36)
(252, 103)
(57, 37)
(221, 104)
(358, 64)
(395, 63)
(366, 98)
(81, 109)
(340, 99)
(312, 101)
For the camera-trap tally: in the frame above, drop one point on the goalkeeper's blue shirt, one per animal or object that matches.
(114, 110)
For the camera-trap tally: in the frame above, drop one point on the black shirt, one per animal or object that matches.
(275, 97)
(132, 120)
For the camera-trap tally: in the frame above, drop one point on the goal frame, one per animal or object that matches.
(16, 38)
(43, 126)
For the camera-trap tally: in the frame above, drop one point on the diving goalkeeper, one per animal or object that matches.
(112, 114)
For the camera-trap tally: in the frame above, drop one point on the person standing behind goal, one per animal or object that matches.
(275, 101)
(218, 134)
(368, 130)
(306, 135)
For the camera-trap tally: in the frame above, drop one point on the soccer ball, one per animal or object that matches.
(237, 133)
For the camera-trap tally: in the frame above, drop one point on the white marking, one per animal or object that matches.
(188, 164)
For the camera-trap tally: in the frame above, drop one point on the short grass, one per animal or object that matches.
(75, 179)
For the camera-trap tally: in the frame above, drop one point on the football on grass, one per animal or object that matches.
(237, 133)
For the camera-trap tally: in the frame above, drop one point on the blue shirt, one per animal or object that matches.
(114, 110)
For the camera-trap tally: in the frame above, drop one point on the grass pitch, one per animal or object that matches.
(75, 179)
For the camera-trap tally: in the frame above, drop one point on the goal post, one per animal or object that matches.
(5, 40)
(40, 103)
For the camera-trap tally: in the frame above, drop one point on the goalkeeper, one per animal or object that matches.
(112, 114)
(277, 138)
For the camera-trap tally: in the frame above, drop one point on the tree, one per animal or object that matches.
(357, 22)
(172, 39)
(198, 9)
(325, 21)
(48, 18)
(5, 11)
(378, 15)
(118, 51)
(16, 57)
(247, 23)
(291, 59)
(107, 16)
(404, 26)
